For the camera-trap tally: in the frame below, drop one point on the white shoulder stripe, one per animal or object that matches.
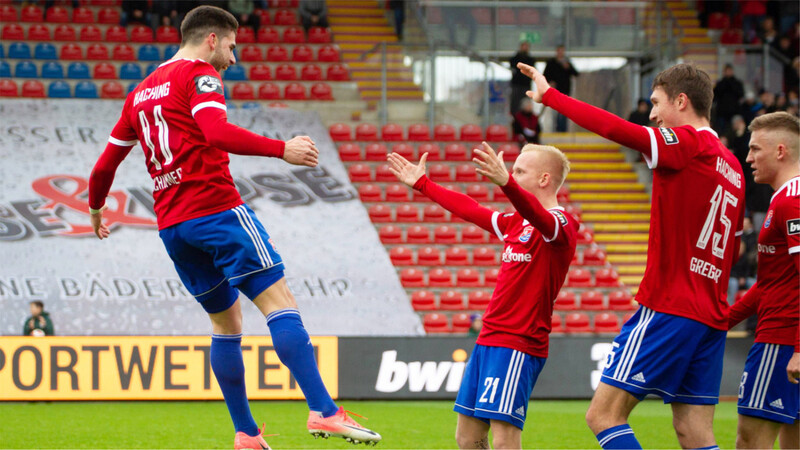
(121, 143)
(208, 105)
(495, 226)
(795, 249)
(739, 233)
(652, 161)
(555, 234)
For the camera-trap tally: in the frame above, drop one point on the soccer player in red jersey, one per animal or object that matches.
(539, 240)
(673, 346)
(218, 245)
(769, 397)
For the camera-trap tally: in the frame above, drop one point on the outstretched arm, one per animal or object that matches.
(745, 307)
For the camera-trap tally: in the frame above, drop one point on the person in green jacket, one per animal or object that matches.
(39, 323)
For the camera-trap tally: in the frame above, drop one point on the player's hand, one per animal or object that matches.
(100, 230)
(491, 165)
(793, 368)
(538, 79)
(301, 151)
(406, 172)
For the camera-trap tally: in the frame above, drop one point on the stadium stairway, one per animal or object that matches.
(696, 45)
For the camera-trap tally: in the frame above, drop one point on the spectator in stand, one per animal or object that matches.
(243, 11)
(475, 324)
(749, 106)
(135, 11)
(526, 124)
(789, 14)
(520, 84)
(753, 12)
(767, 100)
(165, 12)
(743, 273)
(455, 16)
(313, 13)
(791, 77)
(398, 8)
(559, 73)
(728, 94)
(792, 106)
(767, 33)
(39, 323)
(49, 3)
(641, 115)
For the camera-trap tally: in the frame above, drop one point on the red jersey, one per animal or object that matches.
(696, 212)
(776, 295)
(190, 178)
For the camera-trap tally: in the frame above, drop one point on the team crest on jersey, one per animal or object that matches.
(561, 217)
(526, 234)
(793, 226)
(670, 138)
(207, 84)
(768, 220)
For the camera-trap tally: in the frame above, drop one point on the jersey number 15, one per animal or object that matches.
(719, 201)
(163, 137)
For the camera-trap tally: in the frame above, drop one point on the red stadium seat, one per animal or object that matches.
(108, 16)
(123, 52)
(380, 213)
(328, 53)
(575, 211)
(471, 133)
(468, 278)
(294, 35)
(411, 277)
(407, 213)
(510, 151)
(445, 234)
(579, 278)
(434, 213)
(96, 52)
(478, 300)
(419, 132)
(31, 13)
(439, 173)
(606, 323)
(444, 132)
(466, 172)
(375, 152)
(731, 36)
(621, 301)
(392, 132)
(170, 35)
(34, 89)
(429, 256)
(251, 53)
(594, 256)
(718, 21)
(116, 33)
(71, 52)
(440, 278)
(484, 256)
(565, 301)
(497, 133)
(276, 53)
(528, 16)
(141, 33)
(285, 17)
(91, 33)
(337, 72)
(384, 173)
(263, 16)
(423, 301)
(592, 301)
(82, 15)
(472, 235)
(340, 132)
(479, 192)
(13, 32)
(105, 71)
(302, 53)
(311, 72)
(112, 89)
(585, 236)
(390, 234)
(498, 195)
(401, 256)
(268, 35)
(245, 35)
(433, 151)
(404, 150)
(461, 323)
(418, 234)
(319, 35)
(607, 278)
(451, 301)
(563, 195)
(490, 277)
(556, 325)
(455, 152)
(269, 91)
(435, 323)
(577, 323)
(64, 33)
(260, 72)
(243, 91)
(397, 193)
(366, 132)
(456, 256)
(8, 14)
(38, 32)
(294, 91)
(8, 88)
(349, 152)
(284, 3)
(285, 72)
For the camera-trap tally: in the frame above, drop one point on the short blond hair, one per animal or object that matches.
(780, 121)
(559, 156)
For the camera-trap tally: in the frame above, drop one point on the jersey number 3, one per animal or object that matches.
(719, 201)
(163, 137)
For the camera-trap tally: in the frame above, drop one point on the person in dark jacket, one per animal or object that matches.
(641, 116)
(519, 82)
(526, 124)
(559, 71)
(313, 13)
(39, 323)
(728, 94)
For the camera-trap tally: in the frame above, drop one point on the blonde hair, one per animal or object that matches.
(559, 178)
(777, 122)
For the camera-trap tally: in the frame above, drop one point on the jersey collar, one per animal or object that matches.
(709, 129)
(178, 59)
(782, 188)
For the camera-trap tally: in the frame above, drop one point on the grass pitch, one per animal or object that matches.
(403, 424)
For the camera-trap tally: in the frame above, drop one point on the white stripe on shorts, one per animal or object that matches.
(626, 359)
(765, 369)
(253, 236)
(507, 383)
(253, 227)
(515, 382)
(639, 343)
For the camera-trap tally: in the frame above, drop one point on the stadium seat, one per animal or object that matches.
(472, 234)
(445, 234)
(594, 256)
(116, 33)
(141, 33)
(401, 256)
(78, 70)
(392, 132)
(268, 35)
(461, 323)
(285, 72)
(170, 51)
(56, 14)
(302, 53)
(718, 21)
(234, 73)
(243, 91)
(82, 15)
(45, 50)
(252, 53)
(433, 151)
(439, 173)
(130, 71)
(328, 53)
(245, 35)
(269, 91)
(123, 52)
(444, 132)
(359, 173)
(419, 132)
(311, 72)
(260, 72)
(150, 52)
(380, 213)
(319, 35)
(585, 237)
(52, 70)
(294, 35)
(294, 91)
(85, 89)
(466, 173)
(418, 234)
(592, 301)
(366, 132)
(565, 301)
(97, 52)
(31, 13)
(478, 300)
(276, 53)
(13, 32)
(435, 323)
(556, 325)
(450, 300)
(479, 192)
(38, 32)
(263, 16)
(440, 278)
(456, 256)
(575, 211)
(577, 323)
(510, 151)
(169, 35)
(497, 133)
(104, 71)
(403, 149)
(34, 89)
(321, 91)
(490, 277)
(285, 17)
(407, 213)
(410, 278)
(8, 14)
(484, 256)
(498, 195)
(25, 69)
(731, 36)
(390, 234)
(59, 89)
(8, 88)
(369, 193)
(528, 16)
(91, 33)
(471, 133)
(64, 33)
(423, 301)
(340, 132)
(606, 278)
(428, 256)
(606, 323)
(620, 301)
(337, 72)
(5, 70)
(349, 152)
(112, 89)
(434, 213)
(468, 278)
(150, 69)
(579, 278)
(19, 50)
(375, 152)
(455, 152)
(108, 16)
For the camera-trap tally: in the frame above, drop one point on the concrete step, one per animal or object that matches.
(617, 238)
(606, 217)
(626, 248)
(620, 227)
(608, 207)
(607, 187)
(626, 259)
(588, 197)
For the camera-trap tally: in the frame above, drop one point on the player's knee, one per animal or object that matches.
(596, 419)
(505, 442)
(470, 440)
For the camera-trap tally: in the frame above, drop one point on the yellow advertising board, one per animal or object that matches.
(145, 368)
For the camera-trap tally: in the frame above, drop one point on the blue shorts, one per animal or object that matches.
(765, 390)
(217, 254)
(497, 384)
(676, 358)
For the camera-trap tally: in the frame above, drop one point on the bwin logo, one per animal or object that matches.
(428, 375)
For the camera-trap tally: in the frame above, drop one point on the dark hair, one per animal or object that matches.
(687, 79)
(38, 303)
(205, 19)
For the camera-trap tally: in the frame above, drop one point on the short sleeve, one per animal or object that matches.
(500, 222)
(565, 230)
(672, 148)
(790, 218)
(123, 134)
(204, 88)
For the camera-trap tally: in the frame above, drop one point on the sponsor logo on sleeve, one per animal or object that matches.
(207, 84)
(793, 226)
(670, 138)
(768, 220)
(561, 217)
